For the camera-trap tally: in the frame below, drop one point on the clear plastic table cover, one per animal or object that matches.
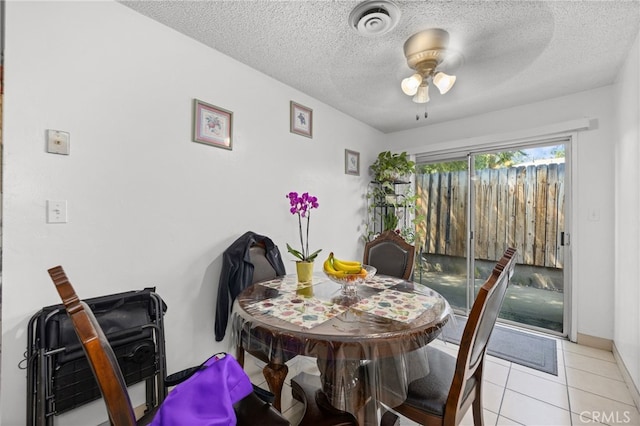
(388, 318)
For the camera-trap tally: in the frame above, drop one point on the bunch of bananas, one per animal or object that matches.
(343, 269)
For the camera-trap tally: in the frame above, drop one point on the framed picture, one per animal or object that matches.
(301, 120)
(212, 125)
(351, 162)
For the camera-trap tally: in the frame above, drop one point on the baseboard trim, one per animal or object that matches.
(595, 342)
(633, 389)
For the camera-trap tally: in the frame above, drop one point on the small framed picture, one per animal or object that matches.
(301, 120)
(351, 162)
(212, 125)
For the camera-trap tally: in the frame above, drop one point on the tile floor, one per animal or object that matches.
(588, 390)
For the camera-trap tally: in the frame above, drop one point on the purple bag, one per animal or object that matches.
(207, 397)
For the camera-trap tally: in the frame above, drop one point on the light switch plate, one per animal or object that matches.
(56, 211)
(58, 142)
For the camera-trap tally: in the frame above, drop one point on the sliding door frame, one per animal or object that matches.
(568, 139)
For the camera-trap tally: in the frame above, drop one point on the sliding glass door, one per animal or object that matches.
(441, 239)
(476, 207)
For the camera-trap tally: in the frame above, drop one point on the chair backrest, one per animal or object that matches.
(476, 334)
(262, 269)
(390, 254)
(101, 357)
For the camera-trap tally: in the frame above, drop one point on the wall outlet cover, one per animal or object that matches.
(58, 142)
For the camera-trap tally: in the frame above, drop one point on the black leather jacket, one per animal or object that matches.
(237, 274)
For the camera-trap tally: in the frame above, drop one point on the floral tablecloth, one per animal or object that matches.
(306, 312)
(292, 305)
(396, 305)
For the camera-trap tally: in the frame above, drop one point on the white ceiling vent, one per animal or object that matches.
(374, 18)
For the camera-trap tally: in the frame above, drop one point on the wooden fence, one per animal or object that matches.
(521, 207)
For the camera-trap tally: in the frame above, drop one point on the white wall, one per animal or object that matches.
(147, 206)
(627, 207)
(592, 242)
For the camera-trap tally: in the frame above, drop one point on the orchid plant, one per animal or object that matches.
(302, 206)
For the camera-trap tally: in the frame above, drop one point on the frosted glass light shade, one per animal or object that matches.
(444, 82)
(422, 95)
(410, 84)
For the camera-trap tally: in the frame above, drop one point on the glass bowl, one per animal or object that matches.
(349, 282)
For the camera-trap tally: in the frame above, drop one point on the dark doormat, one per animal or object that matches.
(513, 345)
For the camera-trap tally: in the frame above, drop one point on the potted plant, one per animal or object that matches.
(396, 212)
(301, 205)
(391, 198)
(392, 167)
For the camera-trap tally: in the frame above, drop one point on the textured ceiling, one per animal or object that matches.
(515, 52)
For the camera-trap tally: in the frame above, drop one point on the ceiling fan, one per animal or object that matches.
(425, 52)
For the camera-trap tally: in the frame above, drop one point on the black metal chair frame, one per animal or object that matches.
(42, 360)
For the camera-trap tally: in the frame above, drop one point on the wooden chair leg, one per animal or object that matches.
(477, 407)
(240, 356)
(478, 419)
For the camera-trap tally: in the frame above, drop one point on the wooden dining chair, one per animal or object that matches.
(111, 382)
(261, 348)
(453, 385)
(390, 254)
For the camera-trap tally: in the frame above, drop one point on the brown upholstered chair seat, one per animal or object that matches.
(430, 393)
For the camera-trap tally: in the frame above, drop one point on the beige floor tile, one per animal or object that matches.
(253, 367)
(503, 421)
(450, 349)
(295, 412)
(536, 387)
(587, 351)
(488, 417)
(495, 373)
(308, 365)
(440, 343)
(518, 395)
(603, 386)
(560, 378)
(492, 396)
(598, 408)
(578, 420)
(294, 366)
(530, 411)
(287, 398)
(560, 356)
(593, 365)
(467, 420)
(406, 422)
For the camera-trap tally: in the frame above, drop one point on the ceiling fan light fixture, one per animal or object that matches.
(444, 82)
(425, 51)
(422, 94)
(410, 84)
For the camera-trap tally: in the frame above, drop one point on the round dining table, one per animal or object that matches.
(346, 332)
